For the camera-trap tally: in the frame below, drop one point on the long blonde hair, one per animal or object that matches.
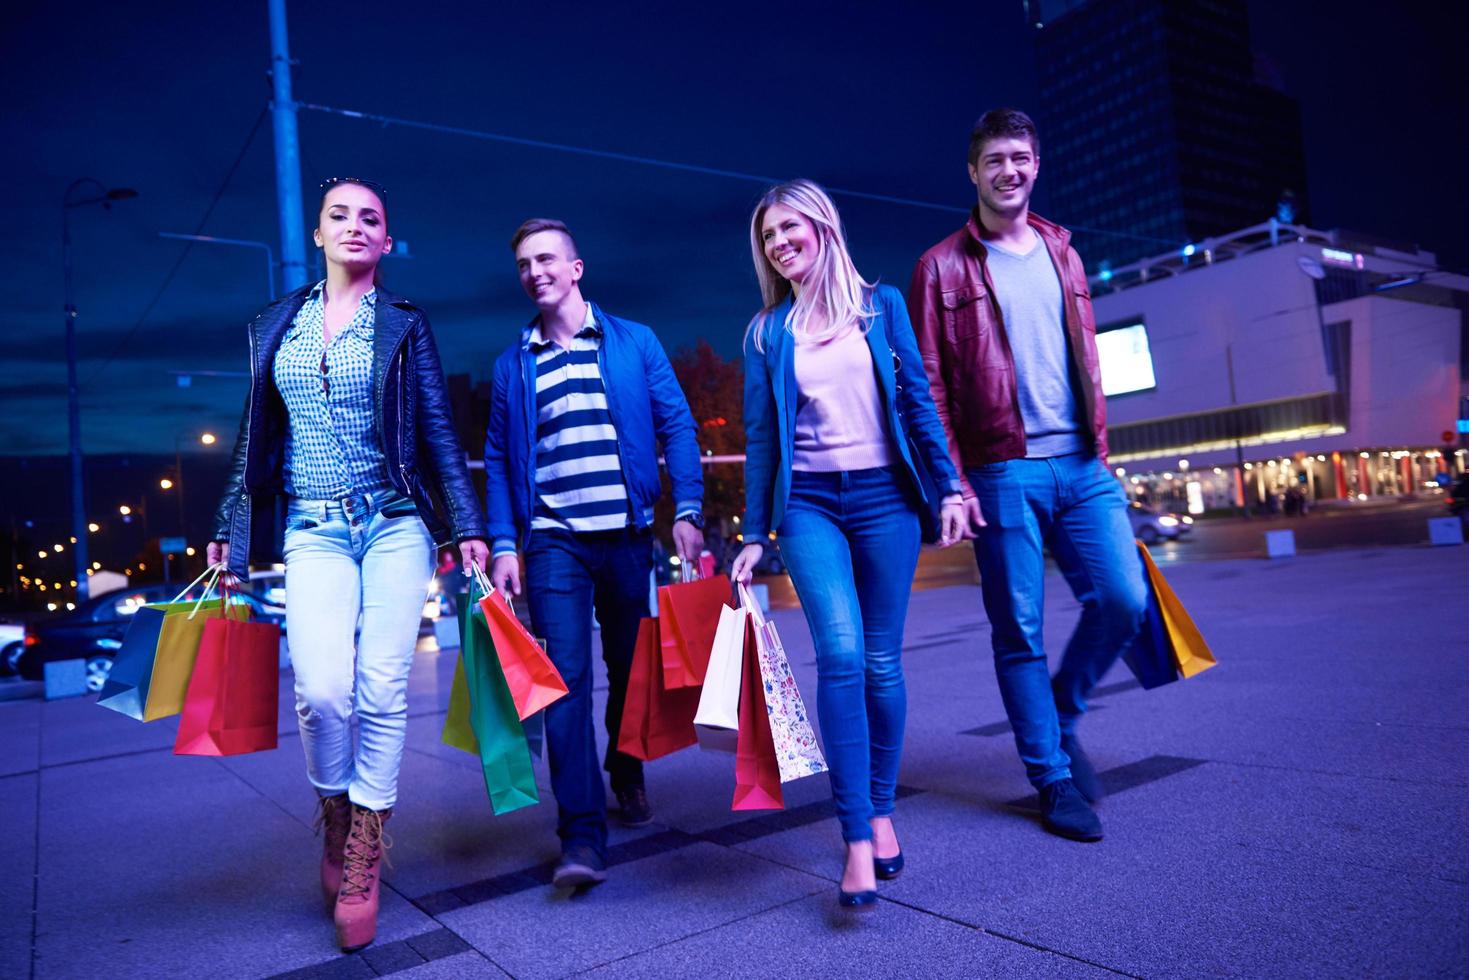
(832, 288)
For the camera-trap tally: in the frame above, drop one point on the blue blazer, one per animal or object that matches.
(770, 410)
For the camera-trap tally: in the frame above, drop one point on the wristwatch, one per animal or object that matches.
(693, 517)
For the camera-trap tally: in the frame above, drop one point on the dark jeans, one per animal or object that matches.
(567, 574)
(1074, 507)
(850, 541)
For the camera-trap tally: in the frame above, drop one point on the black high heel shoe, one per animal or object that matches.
(888, 868)
(856, 900)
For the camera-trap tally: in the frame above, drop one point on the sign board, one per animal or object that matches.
(1445, 530)
(172, 546)
(1280, 544)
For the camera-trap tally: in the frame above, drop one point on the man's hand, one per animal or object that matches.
(951, 523)
(973, 518)
(688, 541)
(474, 553)
(743, 569)
(505, 574)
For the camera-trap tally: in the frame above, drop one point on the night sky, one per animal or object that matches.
(161, 97)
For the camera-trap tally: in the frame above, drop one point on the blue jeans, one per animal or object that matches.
(567, 574)
(1073, 506)
(366, 555)
(850, 541)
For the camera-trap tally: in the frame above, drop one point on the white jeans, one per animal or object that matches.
(344, 558)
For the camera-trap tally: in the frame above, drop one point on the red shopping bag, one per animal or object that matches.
(655, 719)
(688, 615)
(757, 770)
(533, 680)
(234, 691)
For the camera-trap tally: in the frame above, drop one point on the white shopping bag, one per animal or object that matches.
(717, 721)
(796, 750)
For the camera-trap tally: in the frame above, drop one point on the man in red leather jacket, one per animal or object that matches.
(1004, 320)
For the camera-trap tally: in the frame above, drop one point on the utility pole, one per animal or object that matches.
(287, 153)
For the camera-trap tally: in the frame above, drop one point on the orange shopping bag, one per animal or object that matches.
(655, 719)
(533, 680)
(688, 615)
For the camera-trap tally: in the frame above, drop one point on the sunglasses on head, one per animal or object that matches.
(372, 185)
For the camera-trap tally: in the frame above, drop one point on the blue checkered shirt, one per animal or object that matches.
(333, 448)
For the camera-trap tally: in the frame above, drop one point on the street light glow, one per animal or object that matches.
(124, 510)
(207, 438)
(57, 548)
(165, 484)
(94, 527)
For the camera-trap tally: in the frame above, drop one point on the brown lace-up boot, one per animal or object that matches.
(356, 914)
(333, 820)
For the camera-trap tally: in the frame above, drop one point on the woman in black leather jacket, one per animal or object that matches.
(348, 417)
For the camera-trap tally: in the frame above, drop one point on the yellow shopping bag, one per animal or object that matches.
(457, 729)
(1189, 649)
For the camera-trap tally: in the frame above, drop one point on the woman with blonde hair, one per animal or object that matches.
(841, 431)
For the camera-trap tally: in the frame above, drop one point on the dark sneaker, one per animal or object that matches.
(579, 865)
(1083, 773)
(1065, 813)
(635, 809)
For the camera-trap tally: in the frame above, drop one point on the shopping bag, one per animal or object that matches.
(150, 673)
(757, 771)
(481, 696)
(717, 721)
(234, 691)
(655, 719)
(688, 616)
(534, 681)
(1190, 652)
(1150, 655)
(796, 748)
(1168, 643)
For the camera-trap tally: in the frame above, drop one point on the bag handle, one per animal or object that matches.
(209, 587)
(747, 601)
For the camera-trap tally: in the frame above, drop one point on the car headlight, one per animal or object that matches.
(1168, 520)
(1187, 520)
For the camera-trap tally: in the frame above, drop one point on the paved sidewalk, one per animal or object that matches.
(1301, 810)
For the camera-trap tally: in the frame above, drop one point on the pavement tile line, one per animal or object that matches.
(651, 845)
(387, 959)
(1106, 690)
(1131, 775)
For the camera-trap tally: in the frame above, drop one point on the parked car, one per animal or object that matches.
(1151, 526)
(94, 630)
(12, 643)
(270, 585)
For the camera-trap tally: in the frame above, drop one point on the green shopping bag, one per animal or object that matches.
(482, 717)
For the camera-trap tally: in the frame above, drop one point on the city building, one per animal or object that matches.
(1159, 126)
(1283, 363)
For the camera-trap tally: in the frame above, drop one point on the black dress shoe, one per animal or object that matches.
(856, 900)
(888, 868)
(1065, 813)
(1083, 773)
(635, 809)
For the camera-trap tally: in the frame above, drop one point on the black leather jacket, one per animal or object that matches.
(424, 459)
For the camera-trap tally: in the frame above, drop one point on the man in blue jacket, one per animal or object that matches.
(579, 406)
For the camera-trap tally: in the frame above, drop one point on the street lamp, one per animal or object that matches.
(105, 197)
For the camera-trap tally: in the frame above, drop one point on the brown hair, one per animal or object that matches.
(531, 226)
(1000, 124)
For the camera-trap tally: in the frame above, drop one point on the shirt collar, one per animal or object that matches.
(589, 328)
(318, 295)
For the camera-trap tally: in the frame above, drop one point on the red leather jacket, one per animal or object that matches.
(967, 354)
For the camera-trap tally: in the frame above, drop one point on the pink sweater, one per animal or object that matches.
(839, 424)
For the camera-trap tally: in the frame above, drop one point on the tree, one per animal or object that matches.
(715, 389)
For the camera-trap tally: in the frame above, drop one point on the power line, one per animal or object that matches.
(188, 246)
(666, 164)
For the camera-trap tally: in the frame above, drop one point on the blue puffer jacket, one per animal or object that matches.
(648, 409)
(770, 410)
